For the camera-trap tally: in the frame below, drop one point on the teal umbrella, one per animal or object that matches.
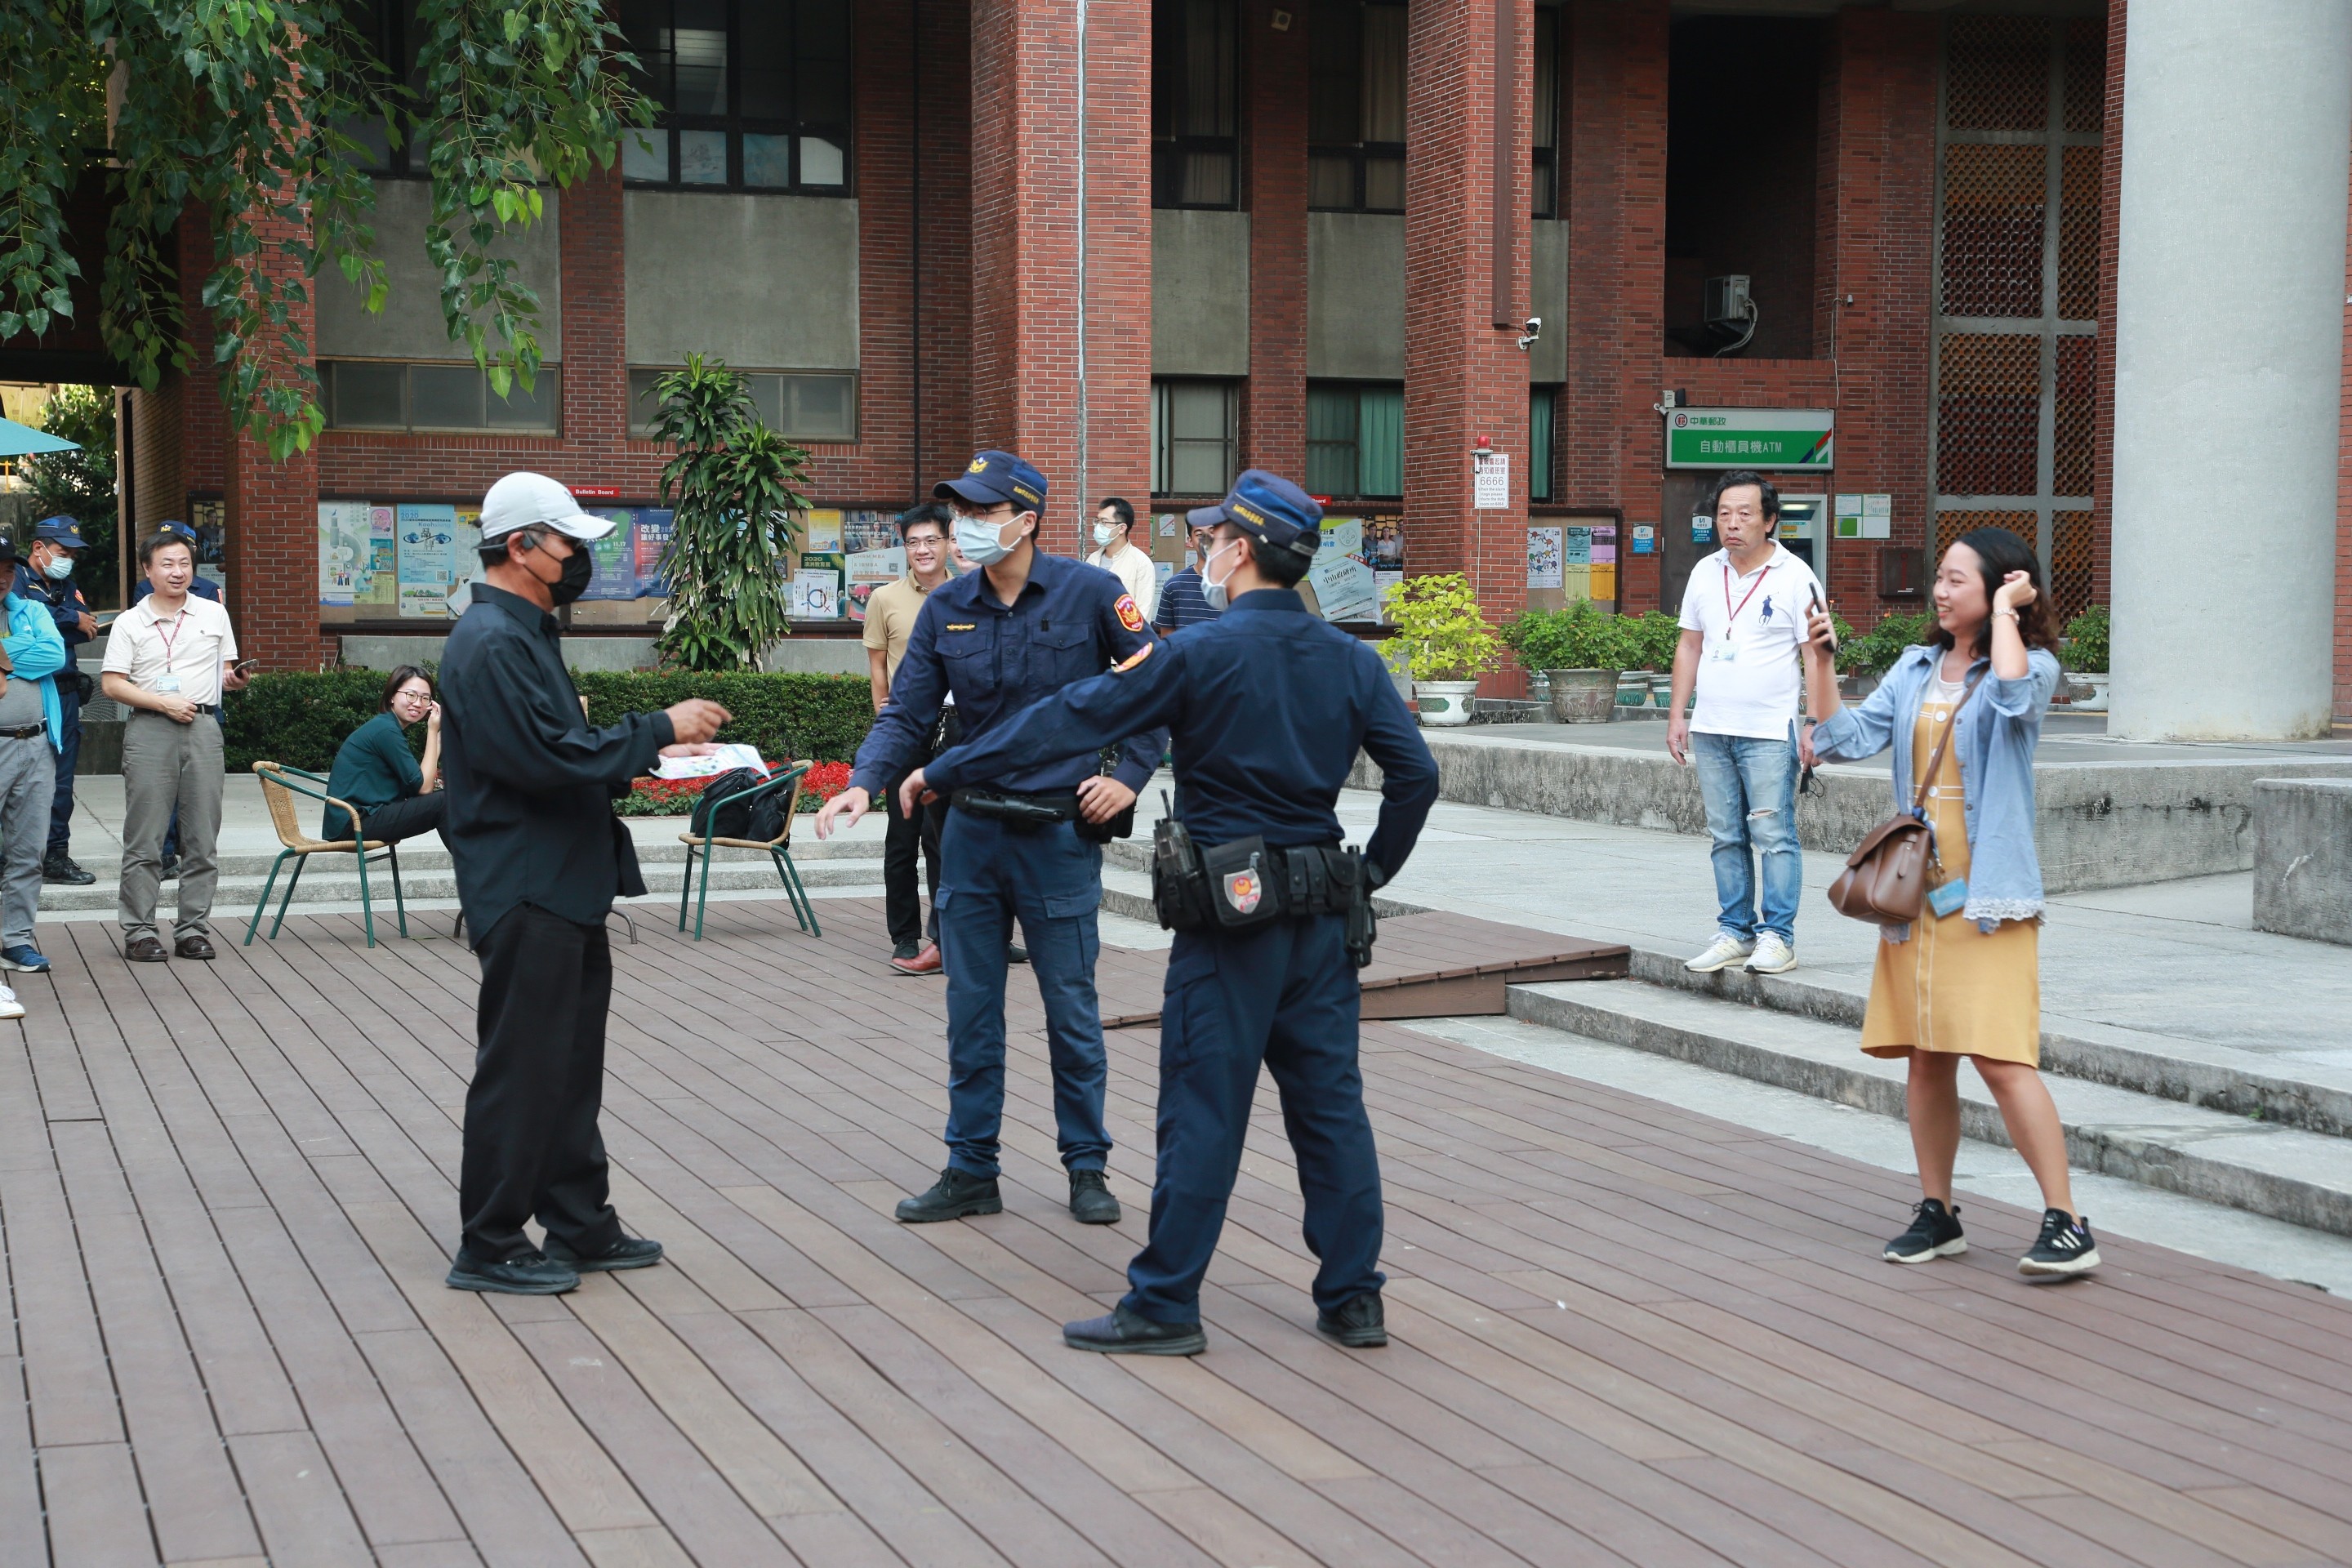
(21, 440)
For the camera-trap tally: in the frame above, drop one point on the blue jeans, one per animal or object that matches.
(1750, 789)
(1052, 879)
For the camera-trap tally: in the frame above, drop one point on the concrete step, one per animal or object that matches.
(2262, 1167)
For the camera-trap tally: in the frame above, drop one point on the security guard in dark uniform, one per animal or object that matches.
(1267, 706)
(1022, 628)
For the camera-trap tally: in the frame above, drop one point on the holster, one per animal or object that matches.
(1180, 888)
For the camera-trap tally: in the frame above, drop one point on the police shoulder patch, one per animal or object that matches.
(1131, 615)
(1131, 660)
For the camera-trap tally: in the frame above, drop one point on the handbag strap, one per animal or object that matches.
(1935, 757)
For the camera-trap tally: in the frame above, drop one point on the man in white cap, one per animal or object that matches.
(540, 856)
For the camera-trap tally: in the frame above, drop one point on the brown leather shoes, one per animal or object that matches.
(148, 948)
(927, 962)
(195, 945)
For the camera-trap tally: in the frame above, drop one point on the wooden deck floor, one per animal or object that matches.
(1622, 1333)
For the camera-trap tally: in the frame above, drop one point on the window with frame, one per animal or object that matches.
(1546, 186)
(1194, 425)
(1542, 405)
(800, 404)
(405, 395)
(389, 29)
(1355, 106)
(1355, 439)
(754, 94)
(1196, 103)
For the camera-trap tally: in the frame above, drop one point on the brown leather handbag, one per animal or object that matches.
(1885, 879)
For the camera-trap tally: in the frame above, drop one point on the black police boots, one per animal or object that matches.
(1126, 1333)
(61, 867)
(1090, 1200)
(953, 1197)
(1358, 1324)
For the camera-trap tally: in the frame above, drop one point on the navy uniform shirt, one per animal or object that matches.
(64, 601)
(1267, 706)
(1070, 621)
(531, 786)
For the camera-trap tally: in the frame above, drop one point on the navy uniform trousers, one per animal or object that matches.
(1282, 994)
(1051, 878)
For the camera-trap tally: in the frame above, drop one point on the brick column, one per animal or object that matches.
(1028, 363)
(1468, 377)
(1612, 444)
(943, 193)
(595, 316)
(1274, 405)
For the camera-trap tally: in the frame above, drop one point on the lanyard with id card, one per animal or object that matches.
(167, 683)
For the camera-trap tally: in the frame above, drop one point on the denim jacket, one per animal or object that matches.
(1994, 737)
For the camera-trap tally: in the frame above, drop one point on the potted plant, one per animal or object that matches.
(1582, 651)
(2085, 655)
(1873, 654)
(1444, 643)
(1659, 634)
(1514, 634)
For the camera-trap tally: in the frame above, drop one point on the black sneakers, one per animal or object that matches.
(629, 1252)
(1127, 1333)
(1935, 1232)
(954, 1195)
(2065, 1247)
(1090, 1199)
(1359, 1324)
(61, 867)
(530, 1274)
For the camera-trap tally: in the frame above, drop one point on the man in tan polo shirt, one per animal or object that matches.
(889, 619)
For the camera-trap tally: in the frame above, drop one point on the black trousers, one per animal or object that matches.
(532, 1150)
(408, 818)
(902, 838)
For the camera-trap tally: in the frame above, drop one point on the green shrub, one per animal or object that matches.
(300, 719)
(2086, 642)
(1440, 633)
(1874, 653)
(1578, 638)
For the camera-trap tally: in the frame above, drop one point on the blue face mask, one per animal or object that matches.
(59, 568)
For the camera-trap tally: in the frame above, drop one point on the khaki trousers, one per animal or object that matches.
(165, 764)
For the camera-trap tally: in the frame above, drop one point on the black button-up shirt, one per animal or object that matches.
(531, 786)
(1070, 621)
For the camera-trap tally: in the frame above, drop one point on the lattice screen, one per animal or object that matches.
(2071, 563)
(2017, 263)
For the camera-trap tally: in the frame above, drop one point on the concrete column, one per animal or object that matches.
(1062, 367)
(1466, 272)
(2229, 346)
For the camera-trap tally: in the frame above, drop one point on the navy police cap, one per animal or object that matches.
(993, 477)
(60, 530)
(1267, 508)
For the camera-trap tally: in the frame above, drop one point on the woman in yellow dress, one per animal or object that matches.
(1965, 980)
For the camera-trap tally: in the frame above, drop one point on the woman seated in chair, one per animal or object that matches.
(376, 770)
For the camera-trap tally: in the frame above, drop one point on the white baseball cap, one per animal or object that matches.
(526, 500)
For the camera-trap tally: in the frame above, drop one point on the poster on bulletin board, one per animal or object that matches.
(346, 552)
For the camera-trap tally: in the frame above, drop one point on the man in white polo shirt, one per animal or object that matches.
(168, 659)
(1744, 618)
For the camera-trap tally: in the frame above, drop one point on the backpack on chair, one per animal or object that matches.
(759, 820)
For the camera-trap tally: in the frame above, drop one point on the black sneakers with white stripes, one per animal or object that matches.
(2065, 1247)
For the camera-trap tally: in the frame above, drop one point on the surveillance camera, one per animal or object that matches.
(1534, 327)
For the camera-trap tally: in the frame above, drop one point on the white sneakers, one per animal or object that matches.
(1726, 950)
(1768, 954)
(9, 1006)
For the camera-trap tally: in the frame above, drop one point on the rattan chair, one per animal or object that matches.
(279, 785)
(779, 849)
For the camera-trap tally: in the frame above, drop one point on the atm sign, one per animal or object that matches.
(1750, 439)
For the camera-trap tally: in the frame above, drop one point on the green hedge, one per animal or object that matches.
(301, 718)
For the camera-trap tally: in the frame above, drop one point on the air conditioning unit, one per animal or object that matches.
(1728, 301)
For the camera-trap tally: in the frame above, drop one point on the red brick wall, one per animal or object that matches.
(1611, 442)
(271, 538)
(1274, 161)
(1025, 226)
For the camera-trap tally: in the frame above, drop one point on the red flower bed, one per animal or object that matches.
(676, 798)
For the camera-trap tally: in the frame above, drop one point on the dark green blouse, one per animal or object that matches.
(373, 767)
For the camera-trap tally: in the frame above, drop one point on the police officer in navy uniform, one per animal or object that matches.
(46, 576)
(1023, 838)
(1268, 705)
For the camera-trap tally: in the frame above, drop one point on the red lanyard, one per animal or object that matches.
(167, 638)
(1731, 614)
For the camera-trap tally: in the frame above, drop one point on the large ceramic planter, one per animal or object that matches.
(1582, 696)
(1539, 691)
(1443, 701)
(1633, 688)
(2096, 702)
(1662, 690)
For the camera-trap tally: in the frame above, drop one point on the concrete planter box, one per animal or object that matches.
(1443, 701)
(1582, 696)
(2303, 857)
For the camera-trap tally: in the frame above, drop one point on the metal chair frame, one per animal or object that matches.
(277, 777)
(779, 849)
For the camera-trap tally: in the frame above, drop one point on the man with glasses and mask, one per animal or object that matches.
(539, 857)
(1023, 840)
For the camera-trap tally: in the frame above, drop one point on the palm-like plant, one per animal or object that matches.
(735, 486)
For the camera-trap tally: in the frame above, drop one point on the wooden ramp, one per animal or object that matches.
(1427, 966)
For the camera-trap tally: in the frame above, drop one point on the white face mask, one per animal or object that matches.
(1214, 590)
(1103, 533)
(981, 542)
